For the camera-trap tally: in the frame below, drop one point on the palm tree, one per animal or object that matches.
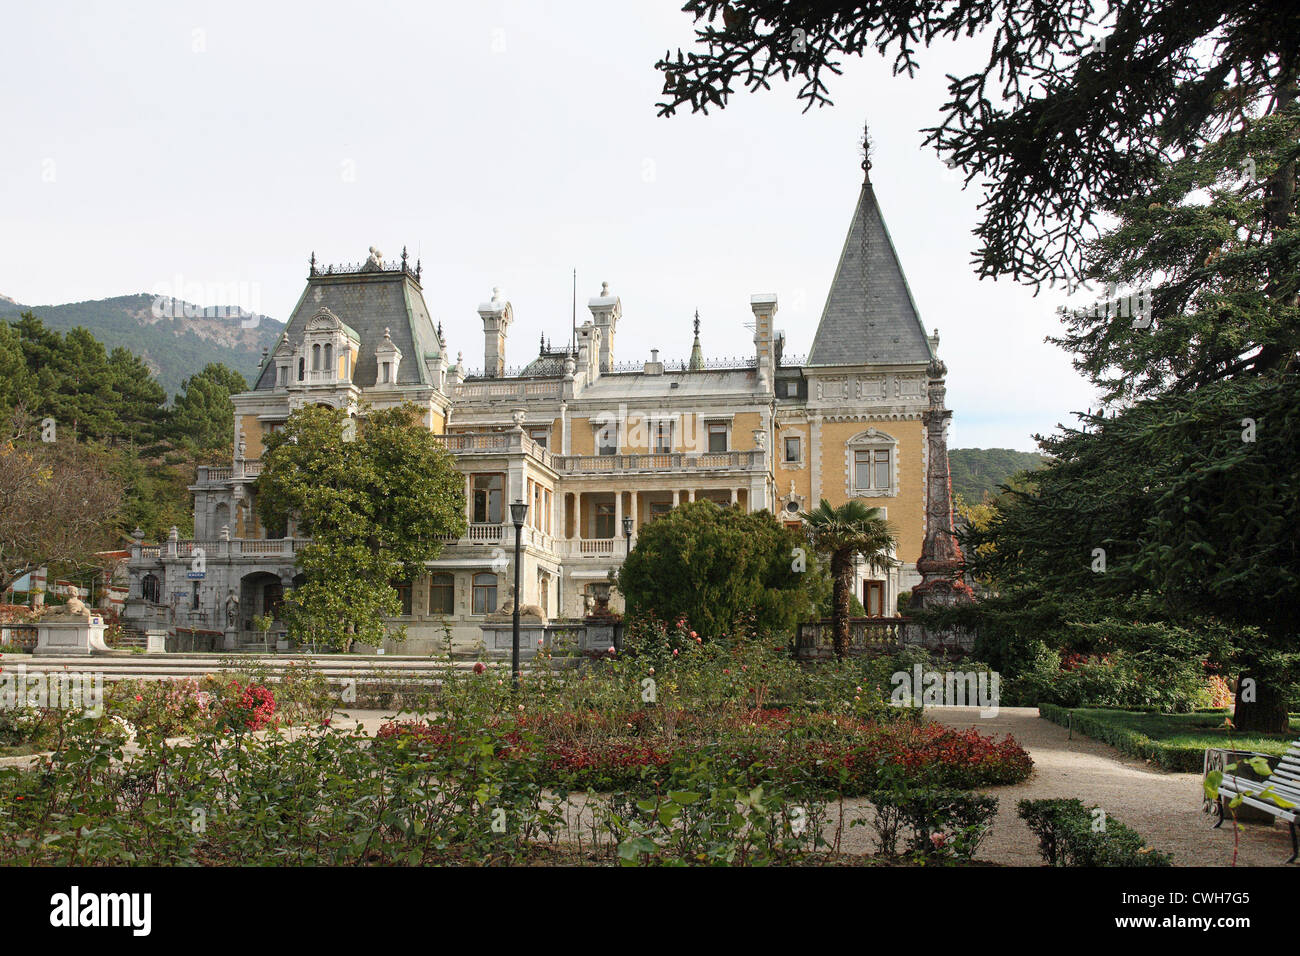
(847, 531)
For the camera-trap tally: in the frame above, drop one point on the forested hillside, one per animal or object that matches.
(65, 396)
(174, 339)
(978, 471)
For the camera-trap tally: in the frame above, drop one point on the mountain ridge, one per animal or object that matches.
(174, 338)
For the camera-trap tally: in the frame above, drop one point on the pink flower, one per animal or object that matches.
(611, 650)
(693, 635)
(479, 667)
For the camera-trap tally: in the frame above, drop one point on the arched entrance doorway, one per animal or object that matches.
(260, 593)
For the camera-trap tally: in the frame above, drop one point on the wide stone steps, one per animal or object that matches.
(125, 665)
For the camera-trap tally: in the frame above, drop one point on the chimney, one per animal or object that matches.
(606, 310)
(497, 316)
(764, 307)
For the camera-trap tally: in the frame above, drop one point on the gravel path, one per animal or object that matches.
(1164, 807)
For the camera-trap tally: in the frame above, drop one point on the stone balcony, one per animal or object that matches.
(660, 463)
(243, 469)
(278, 549)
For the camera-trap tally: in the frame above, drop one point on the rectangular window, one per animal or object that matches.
(540, 435)
(872, 470)
(607, 438)
(403, 589)
(384, 377)
(485, 593)
(658, 508)
(604, 521)
(662, 443)
(717, 436)
(873, 598)
(792, 448)
(882, 469)
(488, 493)
(537, 516)
(862, 470)
(442, 594)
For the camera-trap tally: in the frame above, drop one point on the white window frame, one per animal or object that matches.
(870, 441)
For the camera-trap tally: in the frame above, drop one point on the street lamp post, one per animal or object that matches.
(518, 514)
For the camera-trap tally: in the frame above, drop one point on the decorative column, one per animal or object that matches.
(941, 563)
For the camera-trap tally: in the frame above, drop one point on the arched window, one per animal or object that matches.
(329, 359)
(485, 593)
(151, 589)
(302, 369)
(315, 358)
(442, 593)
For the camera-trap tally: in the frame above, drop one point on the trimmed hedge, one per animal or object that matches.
(1125, 740)
(1068, 835)
(1178, 756)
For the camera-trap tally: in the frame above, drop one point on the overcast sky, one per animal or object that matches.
(505, 143)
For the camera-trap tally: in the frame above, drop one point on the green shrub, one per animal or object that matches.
(941, 824)
(1124, 681)
(710, 814)
(1070, 834)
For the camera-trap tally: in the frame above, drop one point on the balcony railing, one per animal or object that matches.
(242, 468)
(669, 461)
(494, 443)
(235, 547)
(816, 638)
(508, 389)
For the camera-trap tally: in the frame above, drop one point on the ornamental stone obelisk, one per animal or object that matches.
(941, 563)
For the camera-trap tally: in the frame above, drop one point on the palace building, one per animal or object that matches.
(598, 443)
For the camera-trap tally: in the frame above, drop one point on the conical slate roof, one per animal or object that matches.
(869, 318)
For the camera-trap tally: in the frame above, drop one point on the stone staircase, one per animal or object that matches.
(361, 680)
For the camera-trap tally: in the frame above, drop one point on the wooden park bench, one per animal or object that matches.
(1277, 794)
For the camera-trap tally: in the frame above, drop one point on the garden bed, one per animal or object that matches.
(850, 756)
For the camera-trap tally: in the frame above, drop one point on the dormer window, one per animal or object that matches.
(387, 358)
(331, 345)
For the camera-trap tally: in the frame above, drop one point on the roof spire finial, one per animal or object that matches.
(696, 363)
(866, 152)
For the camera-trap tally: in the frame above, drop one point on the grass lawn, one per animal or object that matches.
(1174, 741)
